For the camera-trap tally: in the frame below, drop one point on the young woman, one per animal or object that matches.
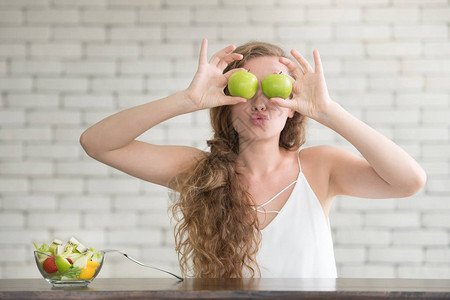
(256, 204)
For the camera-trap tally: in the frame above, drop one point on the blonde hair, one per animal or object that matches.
(217, 232)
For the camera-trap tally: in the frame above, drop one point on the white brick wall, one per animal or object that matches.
(65, 64)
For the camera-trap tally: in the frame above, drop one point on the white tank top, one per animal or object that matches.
(297, 243)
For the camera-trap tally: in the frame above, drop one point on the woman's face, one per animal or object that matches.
(259, 118)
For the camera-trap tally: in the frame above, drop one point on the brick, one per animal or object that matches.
(84, 168)
(422, 133)
(438, 83)
(12, 220)
(372, 66)
(408, 3)
(80, 3)
(15, 84)
(282, 15)
(220, 16)
(26, 168)
(66, 84)
(435, 168)
(109, 16)
(54, 117)
(12, 117)
(26, 134)
(11, 17)
(367, 271)
(140, 3)
(134, 237)
(424, 271)
(436, 116)
(57, 185)
(51, 151)
(154, 220)
(35, 67)
(143, 67)
(91, 67)
(136, 34)
(23, 236)
(398, 49)
(113, 186)
(11, 151)
(363, 32)
(392, 15)
(428, 66)
(397, 83)
(140, 203)
(420, 32)
(435, 14)
(30, 203)
(112, 51)
(166, 16)
(86, 203)
(334, 15)
(393, 220)
(91, 101)
(52, 16)
(339, 49)
(55, 50)
(85, 33)
(395, 255)
(420, 237)
(350, 254)
(430, 100)
(175, 32)
(172, 50)
(362, 236)
(390, 116)
(358, 3)
(111, 220)
(11, 254)
(168, 84)
(438, 185)
(131, 84)
(12, 50)
(32, 33)
(304, 33)
(50, 221)
(439, 220)
(436, 49)
(339, 220)
(436, 151)
(24, 3)
(344, 84)
(437, 255)
(163, 254)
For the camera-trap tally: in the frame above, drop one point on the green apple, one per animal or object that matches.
(62, 264)
(276, 85)
(242, 84)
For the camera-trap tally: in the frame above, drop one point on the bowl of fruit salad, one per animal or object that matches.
(71, 264)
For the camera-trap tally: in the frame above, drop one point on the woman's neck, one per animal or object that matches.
(259, 157)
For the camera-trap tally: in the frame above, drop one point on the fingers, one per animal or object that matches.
(284, 102)
(293, 67)
(317, 61)
(228, 74)
(219, 55)
(203, 52)
(302, 61)
(223, 63)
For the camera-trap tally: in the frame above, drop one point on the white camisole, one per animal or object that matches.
(297, 243)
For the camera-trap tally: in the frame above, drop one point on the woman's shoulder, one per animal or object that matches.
(319, 152)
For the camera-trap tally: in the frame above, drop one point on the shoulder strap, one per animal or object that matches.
(298, 159)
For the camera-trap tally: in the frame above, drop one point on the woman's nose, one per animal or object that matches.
(259, 103)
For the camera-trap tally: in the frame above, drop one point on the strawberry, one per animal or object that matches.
(49, 265)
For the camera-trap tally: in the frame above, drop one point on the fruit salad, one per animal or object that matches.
(73, 261)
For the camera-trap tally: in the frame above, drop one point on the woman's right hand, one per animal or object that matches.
(207, 88)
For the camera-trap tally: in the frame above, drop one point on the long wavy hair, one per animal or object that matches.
(217, 231)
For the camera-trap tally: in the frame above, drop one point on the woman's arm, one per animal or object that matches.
(112, 140)
(385, 171)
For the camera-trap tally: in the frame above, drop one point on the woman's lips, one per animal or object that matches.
(259, 119)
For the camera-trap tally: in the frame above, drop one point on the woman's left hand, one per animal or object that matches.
(309, 90)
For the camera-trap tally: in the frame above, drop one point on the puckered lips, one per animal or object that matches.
(259, 119)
